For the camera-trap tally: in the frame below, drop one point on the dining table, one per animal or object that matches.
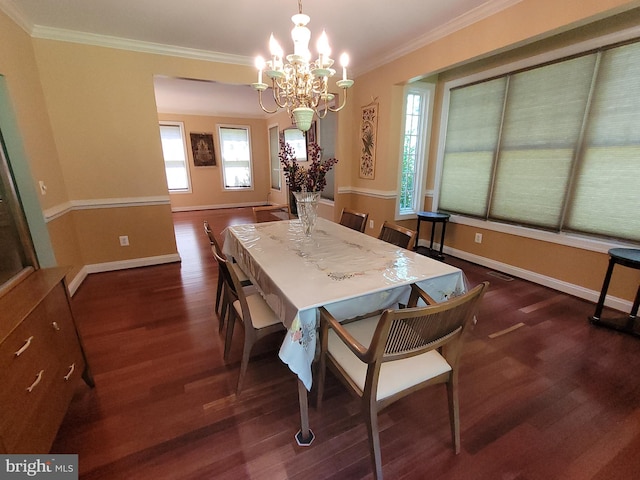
(348, 272)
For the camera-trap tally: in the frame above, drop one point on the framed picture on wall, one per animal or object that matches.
(202, 148)
(368, 130)
(312, 134)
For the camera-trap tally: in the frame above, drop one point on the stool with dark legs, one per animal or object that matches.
(628, 257)
(433, 217)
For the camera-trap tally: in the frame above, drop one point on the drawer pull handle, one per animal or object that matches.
(56, 327)
(36, 382)
(72, 367)
(25, 346)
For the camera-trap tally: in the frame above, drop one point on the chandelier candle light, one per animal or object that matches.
(299, 84)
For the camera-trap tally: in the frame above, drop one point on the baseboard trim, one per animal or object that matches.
(75, 283)
(565, 287)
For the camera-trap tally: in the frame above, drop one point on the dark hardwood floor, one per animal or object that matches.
(553, 398)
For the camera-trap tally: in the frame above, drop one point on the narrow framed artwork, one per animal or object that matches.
(202, 148)
(312, 134)
(368, 129)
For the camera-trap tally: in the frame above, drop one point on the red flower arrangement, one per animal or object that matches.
(301, 179)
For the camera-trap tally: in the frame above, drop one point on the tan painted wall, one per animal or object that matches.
(18, 66)
(64, 239)
(103, 115)
(146, 226)
(206, 182)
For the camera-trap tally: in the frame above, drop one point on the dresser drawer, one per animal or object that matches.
(42, 411)
(26, 348)
(64, 339)
(41, 362)
(28, 386)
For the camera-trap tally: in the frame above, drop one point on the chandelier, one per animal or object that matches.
(299, 85)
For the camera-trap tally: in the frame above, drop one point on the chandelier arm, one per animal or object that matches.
(344, 102)
(279, 103)
(277, 89)
(322, 114)
(264, 109)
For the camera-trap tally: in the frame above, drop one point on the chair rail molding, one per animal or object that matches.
(66, 207)
(369, 192)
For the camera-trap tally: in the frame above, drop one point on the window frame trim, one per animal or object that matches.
(272, 170)
(567, 238)
(427, 91)
(173, 123)
(251, 187)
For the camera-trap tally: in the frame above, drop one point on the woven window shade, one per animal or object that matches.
(607, 193)
(567, 143)
(475, 113)
(543, 119)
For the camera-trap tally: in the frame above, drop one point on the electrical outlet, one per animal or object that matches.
(478, 238)
(124, 240)
(370, 223)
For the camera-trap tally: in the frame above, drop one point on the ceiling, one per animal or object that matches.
(373, 32)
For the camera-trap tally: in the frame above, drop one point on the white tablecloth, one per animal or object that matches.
(348, 272)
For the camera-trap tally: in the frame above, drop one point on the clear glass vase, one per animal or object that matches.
(307, 205)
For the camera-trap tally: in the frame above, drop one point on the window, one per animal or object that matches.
(274, 157)
(235, 148)
(327, 131)
(414, 148)
(298, 141)
(555, 147)
(175, 156)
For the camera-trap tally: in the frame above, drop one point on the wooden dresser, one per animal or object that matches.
(41, 361)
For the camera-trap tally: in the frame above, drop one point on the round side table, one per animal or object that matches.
(433, 217)
(628, 257)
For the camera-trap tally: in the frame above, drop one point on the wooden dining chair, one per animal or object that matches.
(221, 307)
(354, 220)
(271, 213)
(397, 235)
(383, 358)
(255, 315)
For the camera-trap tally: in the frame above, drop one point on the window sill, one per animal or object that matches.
(568, 239)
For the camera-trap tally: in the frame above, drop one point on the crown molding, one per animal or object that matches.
(49, 33)
(15, 14)
(466, 19)
(62, 35)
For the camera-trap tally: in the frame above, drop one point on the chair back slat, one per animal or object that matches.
(271, 213)
(228, 275)
(215, 246)
(354, 220)
(416, 330)
(397, 235)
